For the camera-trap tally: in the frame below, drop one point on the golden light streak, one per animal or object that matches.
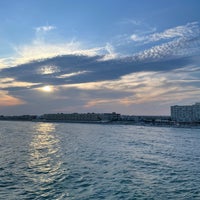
(8, 100)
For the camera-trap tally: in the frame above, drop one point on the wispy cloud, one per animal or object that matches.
(12, 83)
(109, 53)
(38, 50)
(5, 62)
(72, 74)
(137, 38)
(187, 31)
(41, 48)
(44, 28)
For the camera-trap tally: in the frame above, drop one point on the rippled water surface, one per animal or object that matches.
(84, 161)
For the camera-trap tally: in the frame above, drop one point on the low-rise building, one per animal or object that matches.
(82, 117)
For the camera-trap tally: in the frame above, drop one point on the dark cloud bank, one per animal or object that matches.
(93, 68)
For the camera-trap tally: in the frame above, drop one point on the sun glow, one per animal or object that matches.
(47, 88)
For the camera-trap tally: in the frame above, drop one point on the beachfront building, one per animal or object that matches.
(82, 117)
(71, 117)
(186, 113)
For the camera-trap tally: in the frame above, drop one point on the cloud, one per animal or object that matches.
(13, 84)
(39, 50)
(8, 100)
(48, 69)
(2, 63)
(44, 28)
(137, 38)
(72, 74)
(183, 37)
(85, 79)
(71, 69)
(137, 88)
(143, 87)
(6, 62)
(182, 47)
(110, 53)
(189, 30)
(42, 48)
(69, 64)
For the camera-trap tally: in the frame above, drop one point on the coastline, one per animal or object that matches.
(164, 125)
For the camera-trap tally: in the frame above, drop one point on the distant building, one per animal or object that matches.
(82, 117)
(19, 118)
(186, 113)
(71, 117)
(110, 116)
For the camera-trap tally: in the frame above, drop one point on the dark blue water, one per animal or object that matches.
(82, 161)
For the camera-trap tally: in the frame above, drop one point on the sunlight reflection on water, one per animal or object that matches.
(44, 163)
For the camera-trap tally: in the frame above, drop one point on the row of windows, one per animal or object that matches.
(185, 113)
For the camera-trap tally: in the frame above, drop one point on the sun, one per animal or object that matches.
(47, 88)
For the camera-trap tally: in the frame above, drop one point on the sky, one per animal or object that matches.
(134, 57)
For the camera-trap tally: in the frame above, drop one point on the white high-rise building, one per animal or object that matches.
(186, 113)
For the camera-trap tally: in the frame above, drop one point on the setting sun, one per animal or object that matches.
(47, 88)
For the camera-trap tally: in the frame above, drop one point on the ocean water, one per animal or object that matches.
(59, 161)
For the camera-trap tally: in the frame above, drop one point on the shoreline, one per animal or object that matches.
(190, 126)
